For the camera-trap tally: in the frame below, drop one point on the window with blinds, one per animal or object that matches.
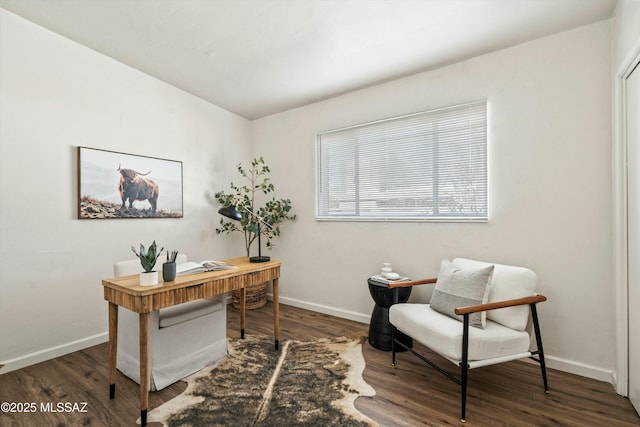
(425, 166)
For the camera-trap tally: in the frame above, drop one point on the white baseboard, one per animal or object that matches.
(553, 362)
(51, 353)
(332, 311)
(582, 369)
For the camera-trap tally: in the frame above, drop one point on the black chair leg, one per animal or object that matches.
(396, 292)
(393, 345)
(465, 370)
(465, 365)
(536, 328)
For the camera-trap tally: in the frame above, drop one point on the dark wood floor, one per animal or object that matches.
(412, 394)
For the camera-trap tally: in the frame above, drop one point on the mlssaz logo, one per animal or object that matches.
(63, 407)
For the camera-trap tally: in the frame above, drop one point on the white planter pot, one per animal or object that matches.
(149, 279)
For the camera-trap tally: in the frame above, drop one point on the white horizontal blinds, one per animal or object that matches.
(430, 165)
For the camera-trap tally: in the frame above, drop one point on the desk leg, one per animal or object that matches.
(243, 304)
(113, 348)
(144, 367)
(276, 313)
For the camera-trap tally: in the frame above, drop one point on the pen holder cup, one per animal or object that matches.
(169, 271)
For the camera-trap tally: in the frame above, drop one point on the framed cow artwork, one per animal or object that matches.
(119, 185)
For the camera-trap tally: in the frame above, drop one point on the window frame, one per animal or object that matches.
(482, 217)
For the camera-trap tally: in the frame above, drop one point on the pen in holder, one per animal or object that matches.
(169, 271)
(169, 267)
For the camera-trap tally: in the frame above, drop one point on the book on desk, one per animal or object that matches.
(200, 267)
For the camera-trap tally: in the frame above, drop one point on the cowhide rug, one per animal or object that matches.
(305, 383)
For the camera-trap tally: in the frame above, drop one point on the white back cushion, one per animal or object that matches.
(508, 282)
(133, 266)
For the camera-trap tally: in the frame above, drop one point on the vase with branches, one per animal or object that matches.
(273, 212)
(257, 217)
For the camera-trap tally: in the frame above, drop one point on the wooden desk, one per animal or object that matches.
(126, 292)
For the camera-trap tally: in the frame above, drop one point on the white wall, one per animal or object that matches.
(550, 186)
(56, 95)
(626, 52)
(626, 26)
(550, 181)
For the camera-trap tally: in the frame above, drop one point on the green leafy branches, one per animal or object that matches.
(274, 212)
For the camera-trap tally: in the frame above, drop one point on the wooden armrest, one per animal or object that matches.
(412, 283)
(500, 304)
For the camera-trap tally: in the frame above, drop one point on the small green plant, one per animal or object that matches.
(148, 258)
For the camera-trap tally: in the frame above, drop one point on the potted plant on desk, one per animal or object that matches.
(254, 221)
(148, 260)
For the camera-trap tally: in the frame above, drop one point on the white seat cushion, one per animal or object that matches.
(190, 310)
(508, 282)
(444, 334)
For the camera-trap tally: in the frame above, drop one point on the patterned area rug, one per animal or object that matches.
(305, 383)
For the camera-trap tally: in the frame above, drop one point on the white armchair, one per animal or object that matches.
(480, 314)
(182, 339)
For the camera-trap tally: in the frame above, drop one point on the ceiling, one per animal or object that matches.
(260, 57)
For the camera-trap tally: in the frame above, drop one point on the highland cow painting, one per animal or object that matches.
(119, 185)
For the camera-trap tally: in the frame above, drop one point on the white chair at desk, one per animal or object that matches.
(182, 339)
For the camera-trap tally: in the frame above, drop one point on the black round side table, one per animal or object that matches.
(380, 328)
